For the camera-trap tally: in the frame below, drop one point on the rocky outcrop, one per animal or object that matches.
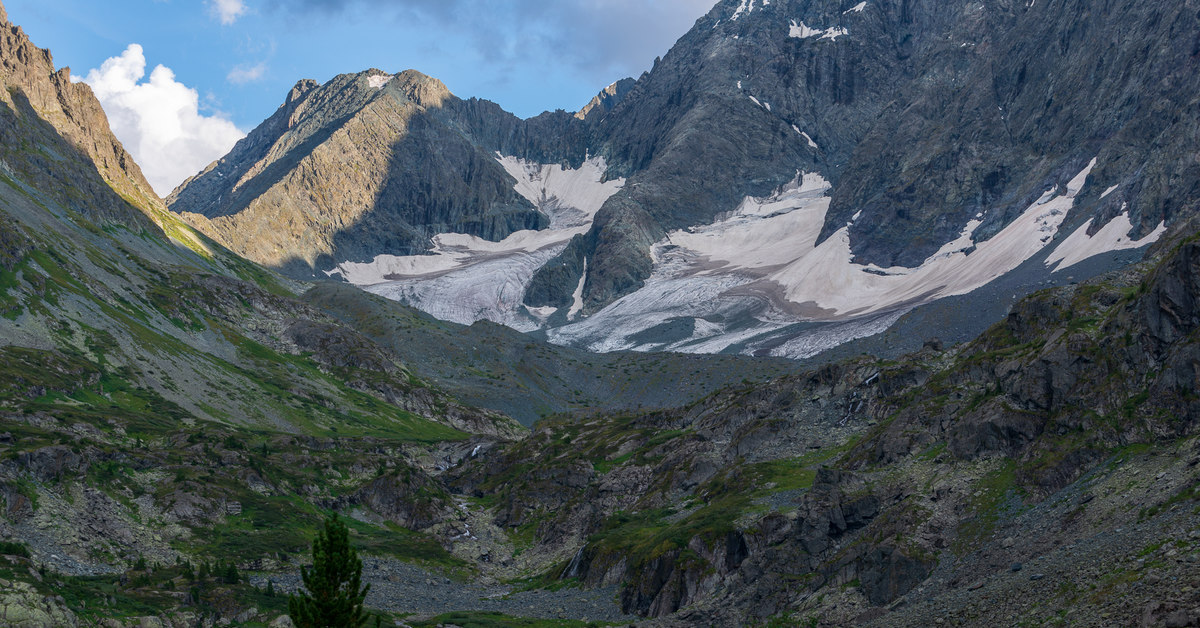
(339, 347)
(1170, 312)
(887, 573)
(51, 464)
(21, 606)
(409, 498)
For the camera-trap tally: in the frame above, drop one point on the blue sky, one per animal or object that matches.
(232, 61)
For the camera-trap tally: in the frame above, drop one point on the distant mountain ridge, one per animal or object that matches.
(931, 129)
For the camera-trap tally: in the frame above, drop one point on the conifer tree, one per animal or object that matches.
(332, 598)
(230, 574)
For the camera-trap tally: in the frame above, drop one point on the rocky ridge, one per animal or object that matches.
(59, 126)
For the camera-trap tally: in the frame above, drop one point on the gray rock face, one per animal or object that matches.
(1172, 311)
(413, 502)
(887, 574)
(1013, 96)
(52, 463)
(924, 116)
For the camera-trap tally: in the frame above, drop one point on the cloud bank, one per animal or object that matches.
(159, 120)
(603, 39)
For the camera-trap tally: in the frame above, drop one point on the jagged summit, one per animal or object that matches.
(608, 98)
(421, 89)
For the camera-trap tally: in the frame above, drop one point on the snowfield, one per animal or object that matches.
(756, 280)
(467, 278)
(800, 31)
(1113, 236)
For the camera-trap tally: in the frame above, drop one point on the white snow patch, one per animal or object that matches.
(577, 296)
(858, 8)
(806, 137)
(739, 84)
(756, 101)
(706, 329)
(746, 7)
(742, 281)
(568, 197)
(1109, 191)
(808, 345)
(800, 31)
(772, 243)
(1113, 236)
(826, 275)
(466, 278)
(378, 80)
(541, 313)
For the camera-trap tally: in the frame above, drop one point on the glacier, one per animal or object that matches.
(757, 280)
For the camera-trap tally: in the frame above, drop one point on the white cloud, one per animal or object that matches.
(159, 120)
(228, 11)
(243, 74)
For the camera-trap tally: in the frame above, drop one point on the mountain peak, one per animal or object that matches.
(300, 90)
(422, 89)
(356, 134)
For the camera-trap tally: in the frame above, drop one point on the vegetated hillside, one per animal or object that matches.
(1047, 471)
(139, 362)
